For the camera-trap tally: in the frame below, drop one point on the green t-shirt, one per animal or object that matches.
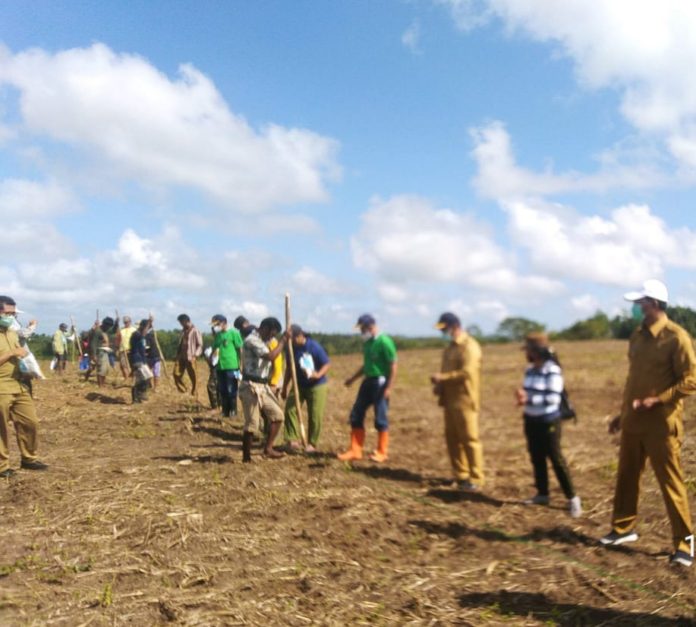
(379, 354)
(228, 344)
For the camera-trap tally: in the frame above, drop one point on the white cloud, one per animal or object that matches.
(406, 239)
(27, 241)
(646, 50)
(311, 281)
(410, 38)
(500, 177)
(124, 112)
(586, 304)
(22, 199)
(627, 247)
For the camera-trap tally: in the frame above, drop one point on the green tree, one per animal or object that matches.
(517, 328)
(596, 327)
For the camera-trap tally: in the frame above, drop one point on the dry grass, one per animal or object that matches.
(147, 516)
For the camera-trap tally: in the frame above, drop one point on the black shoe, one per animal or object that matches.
(34, 465)
(6, 474)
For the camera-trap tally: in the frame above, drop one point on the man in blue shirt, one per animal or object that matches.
(311, 363)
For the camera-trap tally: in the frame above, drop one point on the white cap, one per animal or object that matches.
(652, 288)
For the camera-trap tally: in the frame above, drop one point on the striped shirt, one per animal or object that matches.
(543, 387)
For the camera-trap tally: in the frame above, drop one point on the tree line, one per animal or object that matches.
(512, 329)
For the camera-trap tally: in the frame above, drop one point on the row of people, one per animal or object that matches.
(662, 372)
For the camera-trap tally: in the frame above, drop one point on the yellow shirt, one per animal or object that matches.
(661, 363)
(9, 371)
(461, 373)
(278, 362)
(125, 333)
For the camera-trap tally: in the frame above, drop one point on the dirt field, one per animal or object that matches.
(147, 516)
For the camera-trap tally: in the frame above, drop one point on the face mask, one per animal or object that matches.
(365, 335)
(637, 312)
(217, 328)
(6, 321)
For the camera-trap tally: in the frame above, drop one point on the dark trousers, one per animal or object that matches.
(227, 385)
(370, 394)
(544, 441)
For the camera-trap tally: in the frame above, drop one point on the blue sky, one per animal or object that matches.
(405, 157)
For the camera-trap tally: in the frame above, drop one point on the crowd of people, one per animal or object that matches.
(247, 363)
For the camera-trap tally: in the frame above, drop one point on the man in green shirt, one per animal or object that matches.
(378, 372)
(227, 344)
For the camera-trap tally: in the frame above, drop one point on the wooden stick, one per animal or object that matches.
(293, 372)
(159, 350)
(76, 340)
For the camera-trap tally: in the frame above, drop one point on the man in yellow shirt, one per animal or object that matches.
(16, 404)
(458, 388)
(661, 372)
(123, 342)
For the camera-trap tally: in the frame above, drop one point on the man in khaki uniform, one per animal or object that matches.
(661, 372)
(16, 404)
(458, 387)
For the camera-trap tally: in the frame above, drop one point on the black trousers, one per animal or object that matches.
(544, 441)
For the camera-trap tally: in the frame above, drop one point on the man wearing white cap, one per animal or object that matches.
(661, 372)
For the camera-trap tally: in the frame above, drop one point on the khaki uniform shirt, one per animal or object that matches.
(661, 363)
(9, 371)
(461, 374)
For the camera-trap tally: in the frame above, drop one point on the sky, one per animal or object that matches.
(494, 158)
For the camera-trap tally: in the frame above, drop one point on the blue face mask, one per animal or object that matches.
(6, 321)
(637, 312)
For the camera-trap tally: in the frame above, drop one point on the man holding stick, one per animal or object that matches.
(190, 348)
(258, 400)
(311, 365)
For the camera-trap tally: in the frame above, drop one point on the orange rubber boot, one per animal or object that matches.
(357, 439)
(380, 455)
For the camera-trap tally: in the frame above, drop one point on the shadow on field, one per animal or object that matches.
(216, 432)
(456, 530)
(93, 397)
(398, 474)
(538, 606)
(199, 459)
(456, 496)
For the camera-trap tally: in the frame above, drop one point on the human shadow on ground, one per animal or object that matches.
(560, 534)
(216, 432)
(536, 605)
(98, 397)
(457, 496)
(399, 474)
(199, 459)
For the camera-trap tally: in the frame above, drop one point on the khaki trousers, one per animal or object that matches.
(463, 444)
(181, 367)
(664, 455)
(18, 408)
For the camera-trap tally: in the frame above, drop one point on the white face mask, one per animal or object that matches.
(217, 328)
(366, 335)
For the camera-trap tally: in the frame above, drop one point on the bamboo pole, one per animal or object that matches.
(293, 372)
(76, 341)
(159, 348)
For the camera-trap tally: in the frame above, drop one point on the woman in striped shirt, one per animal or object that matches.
(541, 398)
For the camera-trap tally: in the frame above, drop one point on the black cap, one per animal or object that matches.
(218, 318)
(448, 319)
(240, 322)
(107, 322)
(271, 323)
(366, 320)
(62, 326)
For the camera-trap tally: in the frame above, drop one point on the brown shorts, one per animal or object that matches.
(258, 401)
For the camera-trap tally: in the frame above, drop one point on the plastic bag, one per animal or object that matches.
(53, 364)
(29, 367)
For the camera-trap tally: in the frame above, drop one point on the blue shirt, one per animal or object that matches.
(316, 351)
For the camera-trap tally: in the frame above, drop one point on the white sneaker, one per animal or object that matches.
(575, 507)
